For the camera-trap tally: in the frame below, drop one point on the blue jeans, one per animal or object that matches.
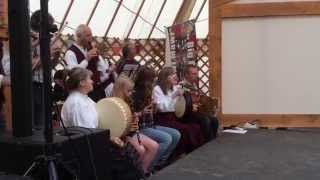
(167, 138)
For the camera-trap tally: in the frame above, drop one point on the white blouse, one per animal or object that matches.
(79, 110)
(164, 103)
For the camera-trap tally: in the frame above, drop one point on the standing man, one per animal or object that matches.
(84, 54)
(209, 124)
(37, 70)
(78, 54)
(127, 64)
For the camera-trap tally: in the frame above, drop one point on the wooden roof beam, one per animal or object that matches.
(113, 17)
(185, 11)
(135, 19)
(92, 12)
(157, 19)
(200, 10)
(66, 15)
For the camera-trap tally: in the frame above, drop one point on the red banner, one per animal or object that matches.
(182, 38)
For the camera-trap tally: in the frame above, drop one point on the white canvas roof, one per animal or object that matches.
(81, 10)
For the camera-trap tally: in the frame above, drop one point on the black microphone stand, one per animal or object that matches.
(50, 159)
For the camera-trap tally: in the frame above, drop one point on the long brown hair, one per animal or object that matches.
(163, 79)
(120, 86)
(143, 86)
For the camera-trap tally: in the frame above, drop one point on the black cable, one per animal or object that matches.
(60, 120)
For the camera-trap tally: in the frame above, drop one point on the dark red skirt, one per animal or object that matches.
(191, 136)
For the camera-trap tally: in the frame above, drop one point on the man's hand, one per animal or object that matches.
(93, 53)
(195, 107)
(35, 62)
(55, 52)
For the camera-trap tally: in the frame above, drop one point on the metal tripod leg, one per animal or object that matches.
(49, 164)
(30, 168)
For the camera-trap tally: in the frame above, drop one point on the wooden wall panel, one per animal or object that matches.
(270, 9)
(274, 120)
(220, 9)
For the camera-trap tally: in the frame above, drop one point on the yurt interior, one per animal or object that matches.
(159, 89)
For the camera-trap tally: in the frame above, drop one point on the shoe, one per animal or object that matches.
(147, 175)
(249, 125)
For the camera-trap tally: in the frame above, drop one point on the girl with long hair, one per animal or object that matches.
(164, 95)
(146, 147)
(167, 138)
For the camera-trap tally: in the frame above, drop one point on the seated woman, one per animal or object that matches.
(167, 138)
(59, 91)
(164, 95)
(79, 110)
(146, 147)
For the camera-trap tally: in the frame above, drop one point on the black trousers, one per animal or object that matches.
(38, 106)
(209, 124)
(2, 119)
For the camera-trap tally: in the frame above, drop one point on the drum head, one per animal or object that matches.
(180, 106)
(114, 114)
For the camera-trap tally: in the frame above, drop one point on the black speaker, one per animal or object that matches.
(85, 152)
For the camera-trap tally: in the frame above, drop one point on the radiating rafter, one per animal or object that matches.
(157, 19)
(66, 15)
(200, 10)
(113, 17)
(142, 18)
(93, 11)
(135, 18)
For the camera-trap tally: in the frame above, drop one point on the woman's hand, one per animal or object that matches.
(117, 141)
(178, 92)
(135, 121)
(137, 115)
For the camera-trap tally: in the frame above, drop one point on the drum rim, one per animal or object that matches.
(124, 109)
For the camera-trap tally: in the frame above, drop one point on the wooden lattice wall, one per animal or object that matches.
(150, 52)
